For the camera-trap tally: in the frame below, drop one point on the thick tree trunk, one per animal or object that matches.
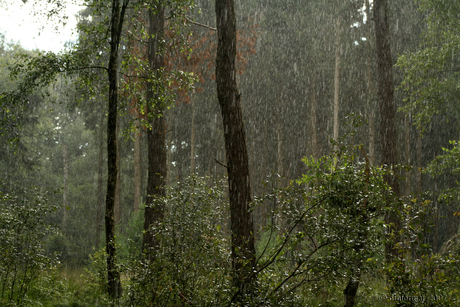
(387, 110)
(243, 250)
(114, 285)
(156, 135)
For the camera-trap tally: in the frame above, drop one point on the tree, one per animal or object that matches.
(117, 19)
(157, 133)
(431, 76)
(387, 110)
(243, 250)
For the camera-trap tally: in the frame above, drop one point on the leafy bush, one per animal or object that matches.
(329, 227)
(23, 230)
(191, 263)
(417, 277)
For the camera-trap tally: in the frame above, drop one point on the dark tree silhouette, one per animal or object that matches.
(243, 251)
(387, 108)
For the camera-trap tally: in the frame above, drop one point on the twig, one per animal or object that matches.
(220, 163)
(200, 24)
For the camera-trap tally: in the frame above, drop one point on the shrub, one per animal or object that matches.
(23, 230)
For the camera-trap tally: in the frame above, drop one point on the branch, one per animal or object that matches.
(133, 37)
(131, 76)
(200, 24)
(83, 68)
(220, 163)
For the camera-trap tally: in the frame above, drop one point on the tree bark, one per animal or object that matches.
(65, 193)
(100, 195)
(192, 140)
(243, 250)
(137, 165)
(279, 138)
(113, 276)
(352, 287)
(408, 158)
(372, 137)
(313, 118)
(118, 189)
(337, 87)
(419, 163)
(371, 93)
(157, 168)
(387, 110)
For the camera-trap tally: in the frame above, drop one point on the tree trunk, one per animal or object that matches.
(419, 162)
(118, 189)
(243, 250)
(169, 143)
(65, 193)
(314, 125)
(387, 110)
(157, 168)
(100, 195)
(372, 136)
(137, 165)
(337, 87)
(192, 140)
(279, 138)
(371, 93)
(353, 284)
(113, 276)
(408, 159)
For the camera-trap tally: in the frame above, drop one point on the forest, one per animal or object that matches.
(234, 153)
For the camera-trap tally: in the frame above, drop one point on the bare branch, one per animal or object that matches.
(199, 24)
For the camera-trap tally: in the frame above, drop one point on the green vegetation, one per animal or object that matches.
(121, 185)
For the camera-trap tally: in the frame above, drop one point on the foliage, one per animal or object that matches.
(23, 231)
(448, 162)
(191, 262)
(328, 221)
(431, 74)
(418, 277)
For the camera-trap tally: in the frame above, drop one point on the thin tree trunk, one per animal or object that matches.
(243, 250)
(419, 162)
(169, 137)
(192, 140)
(100, 195)
(157, 168)
(113, 276)
(337, 87)
(279, 137)
(118, 189)
(352, 287)
(408, 159)
(387, 110)
(65, 193)
(137, 165)
(371, 92)
(314, 125)
(371, 137)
